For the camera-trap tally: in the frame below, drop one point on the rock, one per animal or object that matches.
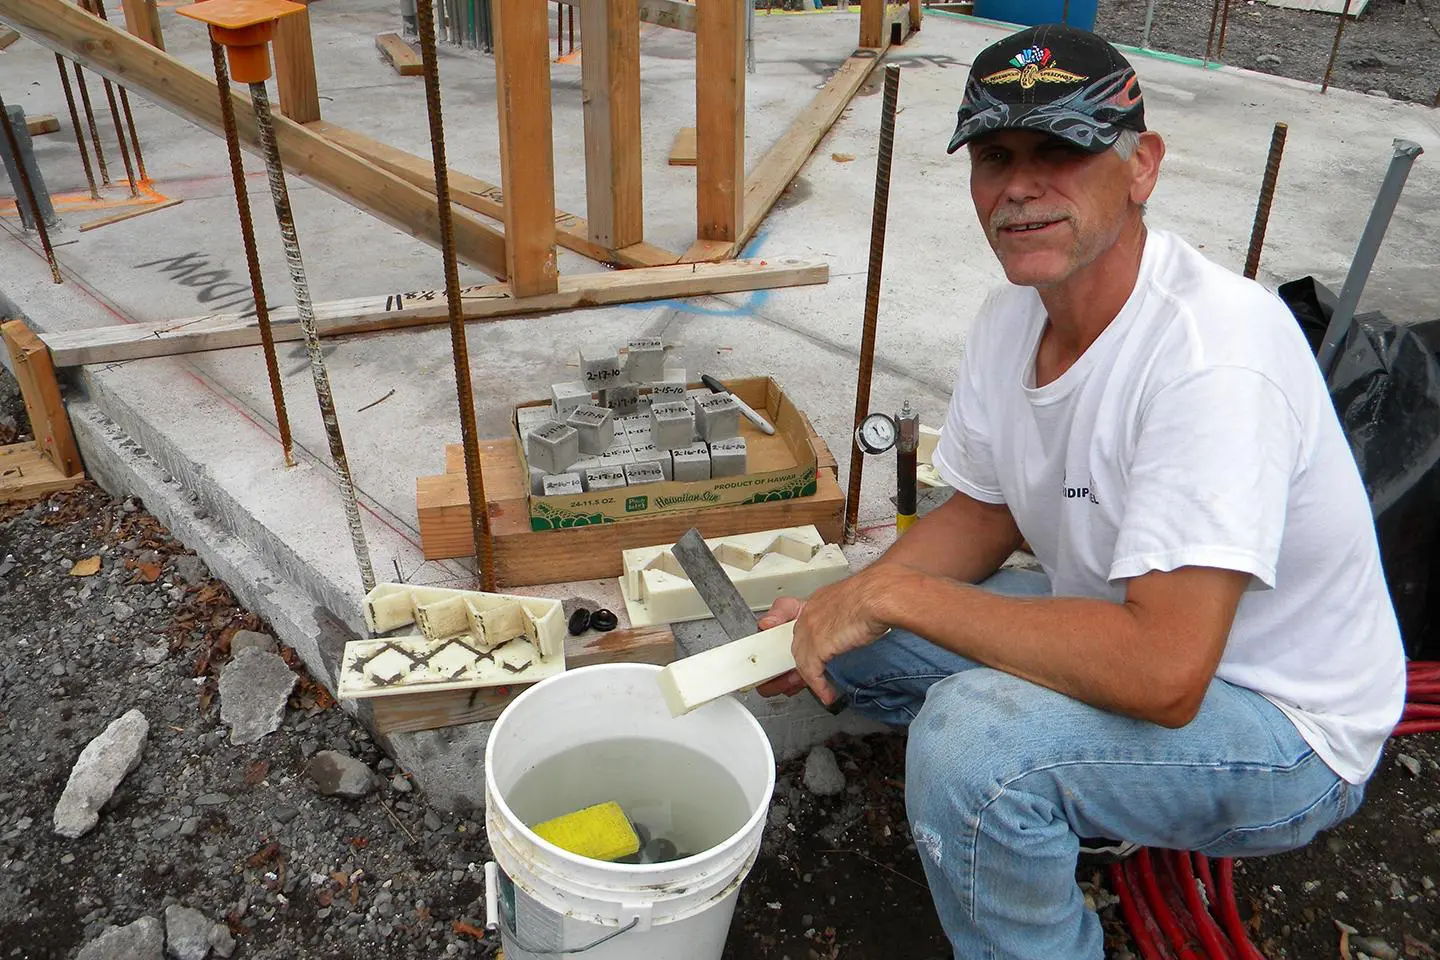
(246, 639)
(212, 799)
(1379, 93)
(1378, 949)
(778, 815)
(336, 774)
(1397, 889)
(221, 942)
(433, 821)
(122, 611)
(400, 785)
(142, 940)
(187, 932)
(254, 687)
(191, 569)
(1409, 763)
(822, 774)
(285, 813)
(1269, 60)
(103, 763)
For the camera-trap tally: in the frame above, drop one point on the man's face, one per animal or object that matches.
(1048, 207)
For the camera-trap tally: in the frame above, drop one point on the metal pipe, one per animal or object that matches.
(872, 293)
(265, 128)
(1267, 196)
(252, 255)
(1149, 21)
(26, 190)
(1335, 49)
(90, 121)
(99, 6)
(469, 435)
(75, 122)
(1403, 158)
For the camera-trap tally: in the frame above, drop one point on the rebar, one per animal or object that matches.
(252, 256)
(1267, 196)
(120, 136)
(1335, 49)
(75, 122)
(90, 121)
(1224, 26)
(99, 6)
(570, 28)
(475, 483)
(1149, 22)
(264, 126)
(26, 189)
(872, 292)
(1214, 22)
(559, 24)
(1065, 12)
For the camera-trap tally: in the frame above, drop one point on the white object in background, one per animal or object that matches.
(790, 562)
(728, 668)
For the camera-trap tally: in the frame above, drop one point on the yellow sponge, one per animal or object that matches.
(601, 832)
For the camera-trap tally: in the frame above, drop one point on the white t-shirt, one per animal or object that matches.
(1195, 431)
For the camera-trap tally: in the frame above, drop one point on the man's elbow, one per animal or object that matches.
(1178, 702)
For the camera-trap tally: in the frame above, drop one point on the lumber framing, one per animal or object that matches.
(142, 18)
(113, 53)
(295, 68)
(51, 461)
(133, 341)
(675, 14)
(719, 119)
(610, 83)
(527, 151)
(571, 232)
(873, 26)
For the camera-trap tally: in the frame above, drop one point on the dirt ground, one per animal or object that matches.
(1393, 48)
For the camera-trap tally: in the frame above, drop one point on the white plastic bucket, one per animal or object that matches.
(553, 901)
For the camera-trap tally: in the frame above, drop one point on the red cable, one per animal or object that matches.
(1416, 726)
(1150, 886)
(1422, 711)
(1130, 910)
(1174, 892)
(1428, 688)
(1210, 937)
(1152, 926)
(1207, 877)
(1230, 914)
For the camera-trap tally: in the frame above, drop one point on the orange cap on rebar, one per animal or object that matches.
(243, 28)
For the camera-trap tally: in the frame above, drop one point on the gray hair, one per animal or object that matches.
(1127, 143)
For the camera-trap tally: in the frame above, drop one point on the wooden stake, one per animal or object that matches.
(610, 79)
(142, 18)
(873, 28)
(719, 119)
(527, 162)
(295, 68)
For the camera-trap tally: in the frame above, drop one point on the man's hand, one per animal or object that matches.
(789, 683)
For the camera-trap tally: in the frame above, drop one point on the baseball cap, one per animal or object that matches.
(1054, 79)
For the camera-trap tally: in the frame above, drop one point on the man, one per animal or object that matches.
(1214, 663)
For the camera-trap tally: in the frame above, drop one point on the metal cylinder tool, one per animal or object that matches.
(244, 29)
(907, 444)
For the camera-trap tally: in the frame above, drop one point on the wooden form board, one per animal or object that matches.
(527, 152)
(719, 119)
(399, 55)
(40, 123)
(133, 341)
(571, 232)
(682, 151)
(169, 83)
(295, 68)
(34, 371)
(524, 557)
(610, 84)
(142, 18)
(7, 37)
(428, 711)
(129, 214)
(26, 473)
(873, 32)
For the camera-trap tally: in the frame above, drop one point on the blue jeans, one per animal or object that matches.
(1004, 777)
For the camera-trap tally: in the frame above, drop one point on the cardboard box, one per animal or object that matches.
(782, 467)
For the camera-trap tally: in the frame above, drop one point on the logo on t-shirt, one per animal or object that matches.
(1079, 493)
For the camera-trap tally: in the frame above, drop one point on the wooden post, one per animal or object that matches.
(49, 423)
(295, 68)
(915, 15)
(719, 119)
(142, 18)
(527, 154)
(873, 27)
(610, 78)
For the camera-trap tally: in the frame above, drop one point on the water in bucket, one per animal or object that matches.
(680, 800)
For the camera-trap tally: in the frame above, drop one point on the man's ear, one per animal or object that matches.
(1145, 166)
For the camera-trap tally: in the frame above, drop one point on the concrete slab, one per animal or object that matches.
(195, 436)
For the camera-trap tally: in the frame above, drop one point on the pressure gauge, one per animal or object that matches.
(876, 433)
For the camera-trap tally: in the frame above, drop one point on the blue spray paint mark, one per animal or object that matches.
(752, 304)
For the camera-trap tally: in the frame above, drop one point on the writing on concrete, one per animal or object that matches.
(211, 282)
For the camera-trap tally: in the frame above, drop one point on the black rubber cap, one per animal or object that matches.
(603, 620)
(580, 621)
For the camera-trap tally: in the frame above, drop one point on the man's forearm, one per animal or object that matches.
(962, 540)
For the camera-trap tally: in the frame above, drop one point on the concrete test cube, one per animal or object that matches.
(596, 427)
(604, 478)
(568, 396)
(552, 447)
(537, 481)
(645, 359)
(528, 418)
(618, 455)
(563, 485)
(667, 392)
(623, 398)
(717, 417)
(691, 463)
(641, 473)
(649, 453)
(671, 425)
(728, 458)
(600, 367)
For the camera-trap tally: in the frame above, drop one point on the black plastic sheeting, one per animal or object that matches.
(1386, 390)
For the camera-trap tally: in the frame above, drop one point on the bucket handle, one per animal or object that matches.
(495, 909)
